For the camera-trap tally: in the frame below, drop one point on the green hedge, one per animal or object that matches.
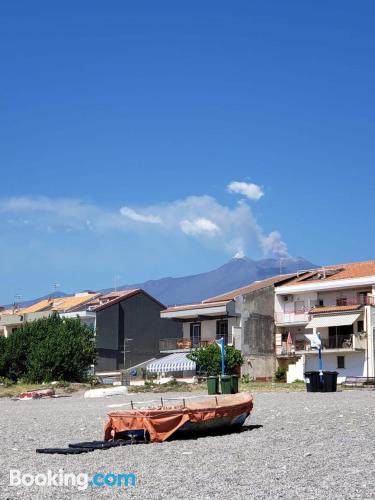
(208, 359)
(48, 349)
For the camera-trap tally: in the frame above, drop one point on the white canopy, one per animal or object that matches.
(177, 362)
(333, 320)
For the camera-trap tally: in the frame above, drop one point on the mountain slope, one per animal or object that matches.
(233, 274)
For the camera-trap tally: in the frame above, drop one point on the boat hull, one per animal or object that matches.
(158, 424)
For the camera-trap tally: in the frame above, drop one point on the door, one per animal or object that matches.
(195, 334)
(222, 330)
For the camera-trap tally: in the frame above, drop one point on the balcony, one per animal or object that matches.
(292, 318)
(183, 344)
(302, 313)
(332, 344)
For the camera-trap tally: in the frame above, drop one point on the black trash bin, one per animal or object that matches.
(329, 381)
(312, 381)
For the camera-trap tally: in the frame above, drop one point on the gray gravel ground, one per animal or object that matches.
(309, 446)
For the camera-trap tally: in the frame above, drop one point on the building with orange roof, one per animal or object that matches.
(67, 306)
(337, 302)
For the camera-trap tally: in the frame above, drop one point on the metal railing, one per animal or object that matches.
(185, 344)
(346, 342)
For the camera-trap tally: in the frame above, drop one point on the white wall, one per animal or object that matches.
(288, 307)
(354, 364)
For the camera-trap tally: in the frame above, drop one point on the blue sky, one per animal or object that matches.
(123, 124)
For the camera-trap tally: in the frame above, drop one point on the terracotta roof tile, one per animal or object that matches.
(331, 309)
(341, 271)
(59, 304)
(115, 297)
(256, 285)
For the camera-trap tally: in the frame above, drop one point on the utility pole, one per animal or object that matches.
(124, 378)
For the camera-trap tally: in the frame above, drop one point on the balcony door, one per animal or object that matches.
(195, 334)
(339, 336)
(222, 330)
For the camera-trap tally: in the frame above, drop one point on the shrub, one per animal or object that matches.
(280, 374)
(246, 379)
(6, 382)
(208, 359)
(3, 343)
(50, 349)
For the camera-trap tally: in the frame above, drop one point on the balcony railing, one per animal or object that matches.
(363, 300)
(338, 342)
(293, 317)
(183, 344)
(302, 314)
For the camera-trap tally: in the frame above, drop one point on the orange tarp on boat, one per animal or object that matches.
(163, 421)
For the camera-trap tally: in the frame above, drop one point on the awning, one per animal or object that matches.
(333, 320)
(177, 362)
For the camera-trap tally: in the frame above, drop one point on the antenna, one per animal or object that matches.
(116, 280)
(17, 300)
(55, 286)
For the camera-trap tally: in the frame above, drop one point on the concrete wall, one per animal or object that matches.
(355, 365)
(258, 333)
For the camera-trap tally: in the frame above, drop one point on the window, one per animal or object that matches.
(195, 334)
(341, 362)
(299, 307)
(222, 330)
(362, 297)
(360, 326)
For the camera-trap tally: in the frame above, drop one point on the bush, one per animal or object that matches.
(280, 374)
(49, 349)
(93, 380)
(208, 359)
(6, 382)
(246, 379)
(3, 343)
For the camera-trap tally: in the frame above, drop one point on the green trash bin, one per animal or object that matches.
(226, 384)
(213, 384)
(234, 383)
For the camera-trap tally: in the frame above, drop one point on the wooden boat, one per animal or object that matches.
(159, 423)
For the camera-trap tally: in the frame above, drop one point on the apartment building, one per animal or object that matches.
(337, 302)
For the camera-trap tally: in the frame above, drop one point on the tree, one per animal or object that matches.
(49, 349)
(208, 359)
(3, 341)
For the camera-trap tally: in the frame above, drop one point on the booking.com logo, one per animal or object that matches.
(81, 481)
